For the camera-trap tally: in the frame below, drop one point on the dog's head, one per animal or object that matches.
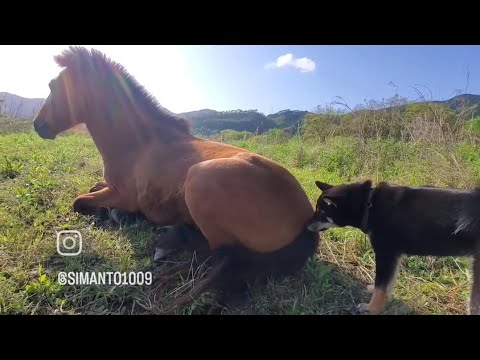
(339, 206)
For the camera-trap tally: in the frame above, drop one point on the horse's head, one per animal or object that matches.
(97, 91)
(55, 115)
(70, 92)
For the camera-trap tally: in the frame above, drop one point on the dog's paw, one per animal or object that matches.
(363, 309)
(370, 288)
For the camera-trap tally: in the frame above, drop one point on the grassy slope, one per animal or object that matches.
(39, 180)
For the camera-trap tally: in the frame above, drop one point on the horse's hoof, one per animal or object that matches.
(80, 206)
(120, 216)
(161, 253)
(167, 242)
(164, 229)
(114, 216)
(167, 236)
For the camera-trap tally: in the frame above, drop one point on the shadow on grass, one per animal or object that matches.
(100, 298)
(320, 288)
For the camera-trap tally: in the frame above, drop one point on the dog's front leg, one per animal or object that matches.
(386, 267)
(475, 291)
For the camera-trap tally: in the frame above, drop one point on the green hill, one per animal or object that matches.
(208, 122)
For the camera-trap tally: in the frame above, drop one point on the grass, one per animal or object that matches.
(39, 180)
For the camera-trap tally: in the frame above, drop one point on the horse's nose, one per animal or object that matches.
(38, 126)
(42, 129)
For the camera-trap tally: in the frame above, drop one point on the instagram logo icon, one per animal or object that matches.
(69, 242)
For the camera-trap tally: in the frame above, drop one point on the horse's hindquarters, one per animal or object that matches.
(236, 201)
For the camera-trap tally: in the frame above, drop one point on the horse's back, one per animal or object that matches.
(234, 196)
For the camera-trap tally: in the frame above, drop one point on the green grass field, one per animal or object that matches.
(39, 180)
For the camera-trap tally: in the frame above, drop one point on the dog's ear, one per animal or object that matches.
(367, 184)
(329, 202)
(322, 186)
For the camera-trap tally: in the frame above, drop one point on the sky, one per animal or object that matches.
(268, 78)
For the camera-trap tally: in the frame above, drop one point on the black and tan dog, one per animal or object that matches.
(402, 220)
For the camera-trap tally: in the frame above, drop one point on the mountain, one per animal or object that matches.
(466, 103)
(19, 107)
(203, 121)
(208, 122)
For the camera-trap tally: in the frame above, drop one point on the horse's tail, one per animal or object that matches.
(284, 261)
(232, 266)
(203, 285)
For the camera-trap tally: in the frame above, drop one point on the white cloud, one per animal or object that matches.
(303, 64)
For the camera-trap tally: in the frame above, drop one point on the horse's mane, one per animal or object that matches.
(77, 57)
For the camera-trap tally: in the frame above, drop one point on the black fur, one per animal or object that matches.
(402, 220)
(240, 265)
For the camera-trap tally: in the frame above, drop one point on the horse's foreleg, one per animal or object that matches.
(116, 215)
(92, 203)
(98, 186)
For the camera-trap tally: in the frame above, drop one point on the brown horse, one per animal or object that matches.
(243, 204)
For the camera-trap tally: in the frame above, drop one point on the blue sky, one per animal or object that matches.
(266, 78)
(235, 77)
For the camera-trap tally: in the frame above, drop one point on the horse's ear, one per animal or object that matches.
(322, 186)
